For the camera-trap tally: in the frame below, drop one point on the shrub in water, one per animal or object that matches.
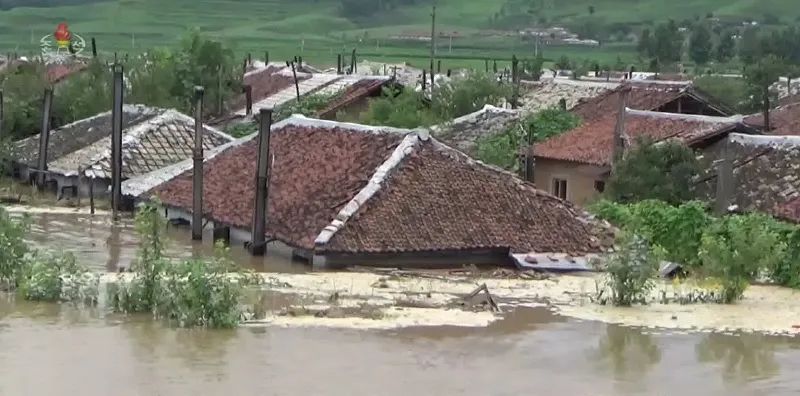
(630, 270)
(58, 278)
(735, 248)
(13, 250)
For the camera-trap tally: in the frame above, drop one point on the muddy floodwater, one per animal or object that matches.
(52, 349)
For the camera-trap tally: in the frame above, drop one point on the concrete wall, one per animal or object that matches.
(580, 178)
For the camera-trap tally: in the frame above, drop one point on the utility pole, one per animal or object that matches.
(1, 114)
(258, 245)
(44, 137)
(116, 143)
(197, 167)
(619, 129)
(433, 44)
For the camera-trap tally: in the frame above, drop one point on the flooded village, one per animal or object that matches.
(193, 222)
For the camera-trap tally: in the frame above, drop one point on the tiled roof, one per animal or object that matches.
(784, 120)
(80, 134)
(265, 82)
(643, 96)
(547, 94)
(58, 72)
(360, 88)
(360, 189)
(307, 185)
(464, 132)
(766, 175)
(591, 142)
(149, 146)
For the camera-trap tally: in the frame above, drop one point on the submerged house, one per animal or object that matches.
(576, 165)
(368, 195)
(466, 131)
(79, 154)
(766, 175)
(272, 85)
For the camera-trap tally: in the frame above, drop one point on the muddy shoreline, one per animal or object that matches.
(364, 300)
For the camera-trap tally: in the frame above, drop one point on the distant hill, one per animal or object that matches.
(321, 28)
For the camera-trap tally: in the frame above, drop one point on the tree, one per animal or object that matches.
(668, 42)
(85, 94)
(700, 44)
(591, 10)
(749, 46)
(645, 45)
(23, 87)
(725, 48)
(563, 63)
(456, 98)
(759, 77)
(662, 171)
(403, 109)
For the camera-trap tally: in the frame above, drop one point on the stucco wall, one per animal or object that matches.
(580, 178)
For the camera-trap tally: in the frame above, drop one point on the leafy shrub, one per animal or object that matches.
(308, 106)
(59, 278)
(662, 171)
(400, 109)
(735, 248)
(241, 130)
(631, 270)
(675, 229)
(13, 250)
(458, 97)
(502, 149)
(786, 272)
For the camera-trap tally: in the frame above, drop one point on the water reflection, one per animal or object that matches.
(628, 352)
(742, 356)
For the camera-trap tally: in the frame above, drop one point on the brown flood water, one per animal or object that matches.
(50, 349)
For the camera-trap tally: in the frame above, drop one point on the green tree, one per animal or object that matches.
(759, 77)
(749, 45)
(725, 48)
(563, 63)
(403, 109)
(662, 171)
(502, 149)
(645, 45)
(23, 90)
(459, 97)
(700, 44)
(667, 42)
(85, 94)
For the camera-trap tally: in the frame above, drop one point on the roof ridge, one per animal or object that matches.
(301, 120)
(406, 146)
(687, 117)
(780, 141)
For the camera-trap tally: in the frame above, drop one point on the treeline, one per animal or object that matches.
(162, 78)
(364, 8)
(9, 4)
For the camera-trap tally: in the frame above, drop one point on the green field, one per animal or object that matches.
(315, 30)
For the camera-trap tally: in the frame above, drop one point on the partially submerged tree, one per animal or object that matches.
(662, 171)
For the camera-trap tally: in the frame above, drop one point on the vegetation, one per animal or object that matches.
(631, 270)
(196, 292)
(502, 149)
(22, 95)
(733, 92)
(760, 76)
(734, 250)
(410, 109)
(308, 106)
(661, 171)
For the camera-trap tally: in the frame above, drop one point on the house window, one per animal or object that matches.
(560, 188)
(599, 186)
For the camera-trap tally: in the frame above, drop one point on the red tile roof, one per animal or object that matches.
(643, 96)
(784, 120)
(361, 89)
(315, 172)
(266, 82)
(434, 199)
(59, 72)
(591, 142)
(440, 199)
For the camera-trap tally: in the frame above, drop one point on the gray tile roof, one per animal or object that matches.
(464, 132)
(79, 134)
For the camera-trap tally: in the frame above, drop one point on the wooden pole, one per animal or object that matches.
(296, 83)
(1, 113)
(439, 66)
(248, 97)
(353, 67)
(433, 38)
(220, 107)
(94, 48)
(266, 58)
(724, 179)
(486, 62)
(44, 136)
(619, 129)
(424, 80)
(514, 81)
(338, 63)
(91, 195)
(197, 168)
(116, 143)
(257, 246)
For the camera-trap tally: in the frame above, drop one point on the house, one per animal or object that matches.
(766, 173)
(663, 96)
(367, 195)
(542, 95)
(273, 85)
(465, 132)
(576, 165)
(79, 154)
(784, 120)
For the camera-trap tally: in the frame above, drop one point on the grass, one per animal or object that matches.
(310, 28)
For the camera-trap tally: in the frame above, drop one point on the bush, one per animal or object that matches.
(308, 106)
(735, 248)
(399, 109)
(502, 149)
(631, 270)
(13, 250)
(458, 97)
(201, 292)
(675, 229)
(59, 278)
(662, 171)
(786, 272)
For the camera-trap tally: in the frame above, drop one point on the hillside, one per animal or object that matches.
(318, 29)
